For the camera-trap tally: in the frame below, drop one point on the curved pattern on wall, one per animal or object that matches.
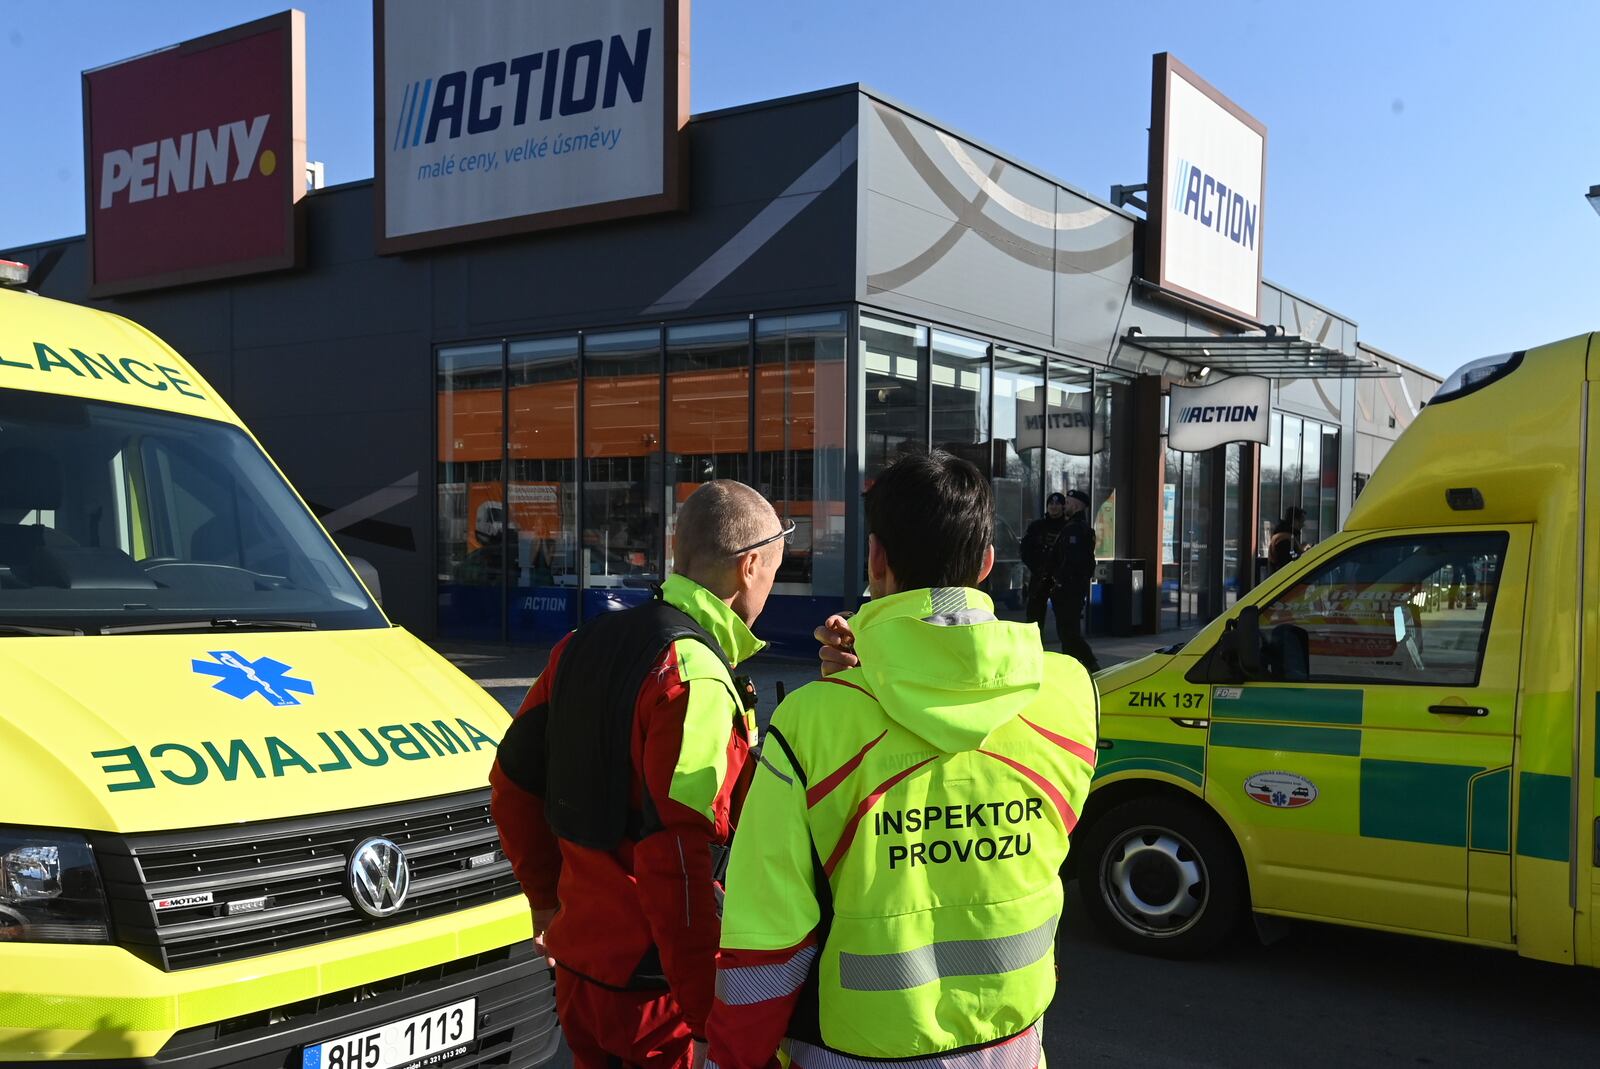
(970, 215)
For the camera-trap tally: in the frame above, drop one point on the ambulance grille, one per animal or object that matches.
(276, 885)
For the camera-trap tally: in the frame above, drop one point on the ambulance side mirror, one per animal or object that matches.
(368, 575)
(1248, 652)
(1241, 644)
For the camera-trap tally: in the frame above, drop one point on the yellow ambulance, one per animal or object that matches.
(1397, 731)
(243, 818)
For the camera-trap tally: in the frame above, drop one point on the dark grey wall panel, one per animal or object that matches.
(778, 182)
(337, 465)
(353, 300)
(332, 365)
(380, 372)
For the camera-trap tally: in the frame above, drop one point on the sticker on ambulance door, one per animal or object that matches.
(1281, 790)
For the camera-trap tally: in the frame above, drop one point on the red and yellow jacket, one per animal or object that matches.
(646, 911)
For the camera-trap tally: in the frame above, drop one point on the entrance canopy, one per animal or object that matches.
(1276, 356)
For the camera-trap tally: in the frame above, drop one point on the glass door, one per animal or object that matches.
(1203, 518)
(474, 536)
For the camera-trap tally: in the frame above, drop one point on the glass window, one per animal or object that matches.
(473, 534)
(1291, 464)
(1330, 481)
(1412, 610)
(800, 419)
(1112, 470)
(1069, 428)
(621, 541)
(1171, 544)
(112, 516)
(1311, 482)
(1233, 523)
(1196, 548)
(894, 357)
(959, 374)
(708, 409)
(1017, 474)
(542, 487)
(1271, 483)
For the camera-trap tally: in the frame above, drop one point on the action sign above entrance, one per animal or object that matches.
(1233, 410)
(195, 157)
(499, 118)
(1207, 178)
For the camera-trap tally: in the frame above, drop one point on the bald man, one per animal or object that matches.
(626, 763)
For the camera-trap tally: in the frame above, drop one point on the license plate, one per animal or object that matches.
(430, 1038)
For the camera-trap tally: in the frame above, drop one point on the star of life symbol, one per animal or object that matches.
(240, 677)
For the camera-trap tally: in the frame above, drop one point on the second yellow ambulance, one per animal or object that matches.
(1397, 731)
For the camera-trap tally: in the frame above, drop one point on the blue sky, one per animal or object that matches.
(1426, 161)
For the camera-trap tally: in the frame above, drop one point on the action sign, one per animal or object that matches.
(194, 158)
(1207, 178)
(499, 118)
(1233, 410)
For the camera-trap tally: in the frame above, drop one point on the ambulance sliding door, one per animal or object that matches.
(1377, 790)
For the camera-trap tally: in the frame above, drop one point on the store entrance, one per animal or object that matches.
(1206, 523)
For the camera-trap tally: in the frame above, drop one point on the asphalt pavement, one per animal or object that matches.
(1320, 996)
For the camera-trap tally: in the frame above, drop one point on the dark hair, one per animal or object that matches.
(933, 513)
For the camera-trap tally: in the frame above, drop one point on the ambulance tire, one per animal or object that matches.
(1160, 876)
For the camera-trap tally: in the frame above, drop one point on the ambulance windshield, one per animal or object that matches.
(120, 519)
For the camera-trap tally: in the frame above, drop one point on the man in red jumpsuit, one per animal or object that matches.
(611, 835)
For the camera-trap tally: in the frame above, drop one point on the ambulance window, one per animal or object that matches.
(1413, 610)
(115, 518)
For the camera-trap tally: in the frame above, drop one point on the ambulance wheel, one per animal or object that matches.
(1161, 877)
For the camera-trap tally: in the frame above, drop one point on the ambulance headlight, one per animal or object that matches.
(1474, 376)
(50, 889)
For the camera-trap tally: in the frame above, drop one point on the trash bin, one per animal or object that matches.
(1124, 594)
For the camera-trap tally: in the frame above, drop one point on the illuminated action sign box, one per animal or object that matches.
(499, 118)
(1207, 178)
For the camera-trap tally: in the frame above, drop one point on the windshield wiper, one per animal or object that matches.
(221, 623)
(29, 629)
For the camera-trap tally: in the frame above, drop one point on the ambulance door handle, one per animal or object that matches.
(1459, 710)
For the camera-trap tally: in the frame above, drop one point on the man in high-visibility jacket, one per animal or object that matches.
(627, 761)
(894, 889)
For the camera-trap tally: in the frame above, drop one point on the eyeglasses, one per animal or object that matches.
(787, 534)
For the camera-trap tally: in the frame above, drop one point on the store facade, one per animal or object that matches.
(506, 427)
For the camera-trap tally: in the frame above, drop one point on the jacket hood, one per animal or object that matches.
(943, 667)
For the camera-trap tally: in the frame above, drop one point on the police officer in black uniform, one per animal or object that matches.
(1058, 549)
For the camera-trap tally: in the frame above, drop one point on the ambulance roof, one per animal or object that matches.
(1504, 450)
(50, 346)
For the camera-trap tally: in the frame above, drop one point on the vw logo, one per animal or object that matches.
(379, 877)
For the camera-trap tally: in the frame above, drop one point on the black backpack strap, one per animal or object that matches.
(588, 781)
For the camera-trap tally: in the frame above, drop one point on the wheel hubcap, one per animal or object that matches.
(1154, 881)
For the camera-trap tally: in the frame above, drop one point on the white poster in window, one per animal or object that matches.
(1232, 410)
